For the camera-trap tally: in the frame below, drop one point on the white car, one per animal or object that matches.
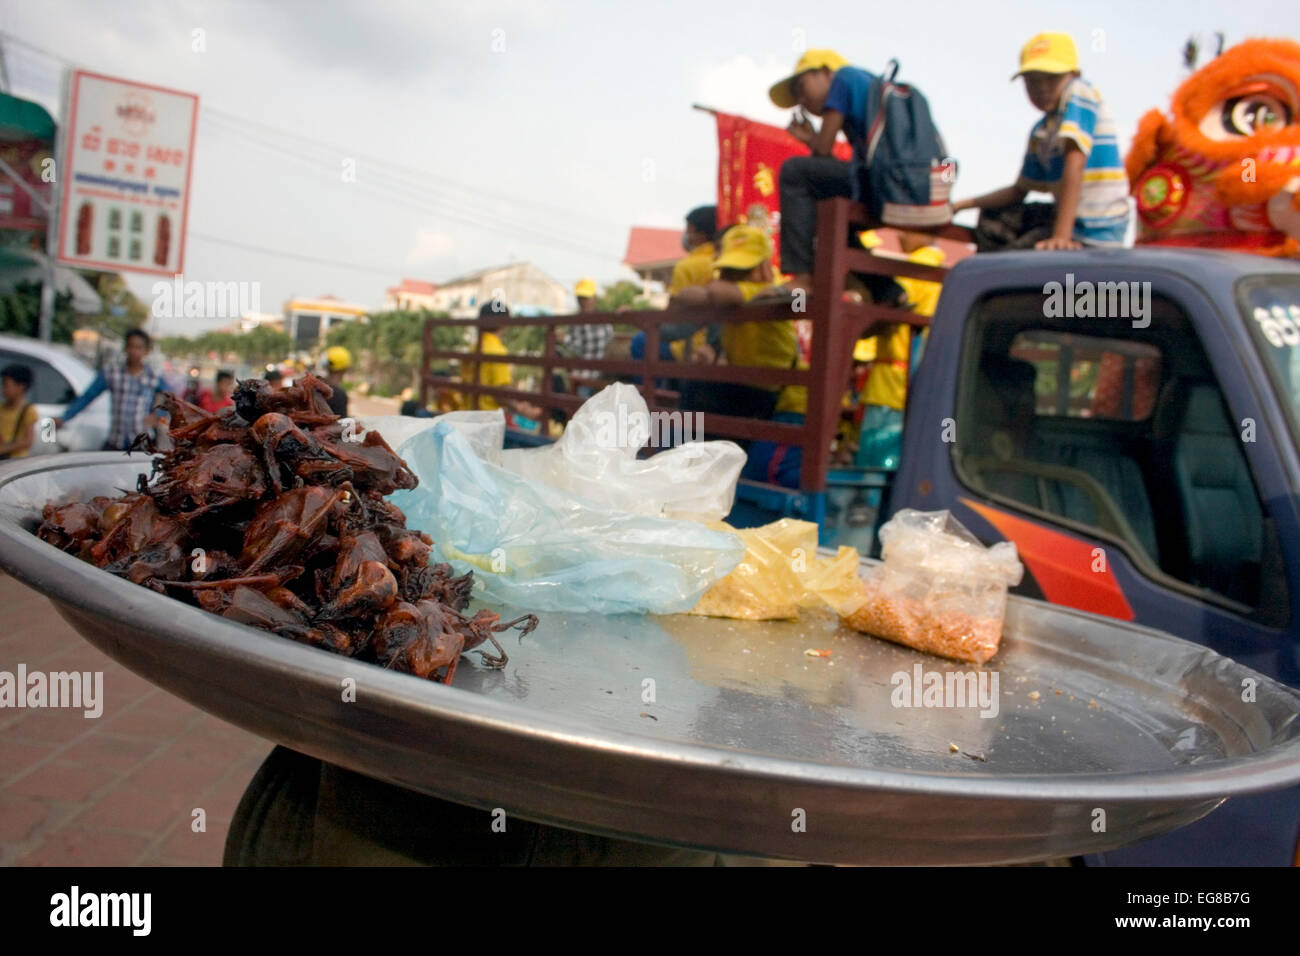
(58, 376)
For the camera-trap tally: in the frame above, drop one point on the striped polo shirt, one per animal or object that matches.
(1102, 216)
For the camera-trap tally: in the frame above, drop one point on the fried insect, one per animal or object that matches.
(272, 514)
(284, 525)
(373, 464)
(217, 477)
(74, 526)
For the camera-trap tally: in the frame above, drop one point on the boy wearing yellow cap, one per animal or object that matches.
(744, 271)
(824, 85)
(1073, 154)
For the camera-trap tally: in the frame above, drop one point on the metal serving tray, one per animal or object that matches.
(1106, 733)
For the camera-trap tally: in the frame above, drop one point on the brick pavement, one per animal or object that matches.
(115, 790)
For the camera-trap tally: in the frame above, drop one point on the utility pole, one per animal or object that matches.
(52, 227)
(4, 68)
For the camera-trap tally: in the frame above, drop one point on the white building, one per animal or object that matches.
(307, 320)
(254, 320)
(521, 286)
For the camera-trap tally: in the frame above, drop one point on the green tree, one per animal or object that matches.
(621, 293)
(387, 347)
(20, 312)
(121, 309)
(524, 339)
(262, 345)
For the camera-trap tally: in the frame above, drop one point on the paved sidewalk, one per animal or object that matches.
(116, 790)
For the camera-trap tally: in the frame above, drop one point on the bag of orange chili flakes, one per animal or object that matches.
(938, 589)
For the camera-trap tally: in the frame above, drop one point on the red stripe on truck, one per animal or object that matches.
(1070, 571)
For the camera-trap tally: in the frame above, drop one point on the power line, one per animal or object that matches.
(396, 181)
(34, 48)
(407, 170)
(405, 192)
(405, 197)
(425, 175)
(264, 250)
(398, 192)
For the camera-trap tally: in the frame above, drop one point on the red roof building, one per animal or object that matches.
(652, 252)
(411, 295)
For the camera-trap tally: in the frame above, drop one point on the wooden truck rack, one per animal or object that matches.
(836, 326)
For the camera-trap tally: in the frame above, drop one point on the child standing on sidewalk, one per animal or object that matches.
(1073, 154)
(17, 417)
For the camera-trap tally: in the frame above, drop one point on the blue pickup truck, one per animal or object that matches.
(1131, 421)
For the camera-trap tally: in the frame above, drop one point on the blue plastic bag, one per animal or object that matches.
(536, 547)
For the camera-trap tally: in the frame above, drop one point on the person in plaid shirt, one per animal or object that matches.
(586, 341)
(133, 386)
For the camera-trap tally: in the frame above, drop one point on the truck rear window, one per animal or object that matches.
(1083, 376)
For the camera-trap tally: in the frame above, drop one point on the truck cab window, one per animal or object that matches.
(1113, 431)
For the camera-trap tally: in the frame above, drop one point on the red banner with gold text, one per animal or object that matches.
(750, 155)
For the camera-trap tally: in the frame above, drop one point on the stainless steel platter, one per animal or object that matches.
(723, 735)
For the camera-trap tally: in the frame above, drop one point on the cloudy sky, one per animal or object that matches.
(497, 131)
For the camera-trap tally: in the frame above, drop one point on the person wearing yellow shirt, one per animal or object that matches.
(922, 294)
(493, 373)
(697, 239)
(695, 269)
(744, 271)
(885, 395)
(18, 418)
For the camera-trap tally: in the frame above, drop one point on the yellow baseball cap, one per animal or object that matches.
(585, 289)
(337, 359)
(1049, 53)
(781, 93)
(743, 247)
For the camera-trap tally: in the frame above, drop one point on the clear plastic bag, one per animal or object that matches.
(938, 589)
(596, 459)
(545, 549)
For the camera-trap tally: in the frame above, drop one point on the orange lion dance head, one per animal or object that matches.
(1223, 169)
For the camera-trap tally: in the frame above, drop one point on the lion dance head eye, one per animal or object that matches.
(1251, 114)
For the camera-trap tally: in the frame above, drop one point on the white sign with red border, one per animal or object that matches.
(125, 180)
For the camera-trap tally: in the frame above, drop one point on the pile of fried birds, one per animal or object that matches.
(272, 513)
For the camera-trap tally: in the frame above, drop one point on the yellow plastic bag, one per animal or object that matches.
(780, 573)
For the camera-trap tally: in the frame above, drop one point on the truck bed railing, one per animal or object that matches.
(836, 327)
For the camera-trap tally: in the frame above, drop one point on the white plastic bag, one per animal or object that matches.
(486, 431)
(596, 459)
(545, 549)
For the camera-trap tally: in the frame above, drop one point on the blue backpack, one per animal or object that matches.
(904, 173)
